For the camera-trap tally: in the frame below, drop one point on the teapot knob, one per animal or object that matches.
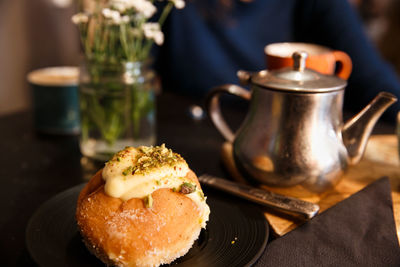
(244, 77)
(299, 59)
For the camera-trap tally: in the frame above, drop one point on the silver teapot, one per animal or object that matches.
(293, 133)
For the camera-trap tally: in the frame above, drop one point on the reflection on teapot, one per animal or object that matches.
(293, 133)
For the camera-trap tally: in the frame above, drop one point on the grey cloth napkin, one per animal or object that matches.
(359, 231)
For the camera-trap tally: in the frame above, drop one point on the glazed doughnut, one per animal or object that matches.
(144, 208)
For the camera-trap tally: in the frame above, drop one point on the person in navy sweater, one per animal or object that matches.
(210, 40)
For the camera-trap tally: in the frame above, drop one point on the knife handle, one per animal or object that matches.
(290, 205)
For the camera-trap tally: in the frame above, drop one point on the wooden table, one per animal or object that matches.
(35, 167)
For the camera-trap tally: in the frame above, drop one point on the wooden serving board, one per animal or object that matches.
(381, 158)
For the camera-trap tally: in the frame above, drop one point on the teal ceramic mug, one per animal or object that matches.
(55, 99)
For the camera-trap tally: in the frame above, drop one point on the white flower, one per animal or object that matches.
(144, 7)
(179, 4)
(152, 31)
(80, 18)
(112, 15)
(159, 38)
(121, 5)
(125, 19)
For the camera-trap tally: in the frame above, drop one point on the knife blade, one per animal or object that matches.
(289, 205)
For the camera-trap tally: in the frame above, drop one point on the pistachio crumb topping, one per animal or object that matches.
(149, 158)
(127, 171)
(201, 194)
(148, 201)
(187, 188)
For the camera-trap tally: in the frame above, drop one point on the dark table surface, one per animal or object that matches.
(34, 167)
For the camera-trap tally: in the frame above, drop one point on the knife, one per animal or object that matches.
(290, 205)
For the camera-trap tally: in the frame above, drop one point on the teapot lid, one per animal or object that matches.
(298, 78)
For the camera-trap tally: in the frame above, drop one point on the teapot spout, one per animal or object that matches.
(357, 130)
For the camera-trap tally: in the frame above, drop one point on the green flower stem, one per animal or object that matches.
(136, 111)
(124, 43)
(165, 13)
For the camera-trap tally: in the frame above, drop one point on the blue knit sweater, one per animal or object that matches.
(206, 45)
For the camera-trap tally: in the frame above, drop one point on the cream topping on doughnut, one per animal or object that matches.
(138, 172)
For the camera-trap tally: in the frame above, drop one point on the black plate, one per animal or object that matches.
(236, 234)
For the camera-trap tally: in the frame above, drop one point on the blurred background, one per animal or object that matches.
(39, 33)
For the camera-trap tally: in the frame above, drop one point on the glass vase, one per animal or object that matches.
(117, 104)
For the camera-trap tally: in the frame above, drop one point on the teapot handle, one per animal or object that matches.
(214, 110)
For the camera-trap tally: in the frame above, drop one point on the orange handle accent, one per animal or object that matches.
(345, 65)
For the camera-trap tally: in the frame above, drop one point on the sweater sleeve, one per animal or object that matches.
(335, 24)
